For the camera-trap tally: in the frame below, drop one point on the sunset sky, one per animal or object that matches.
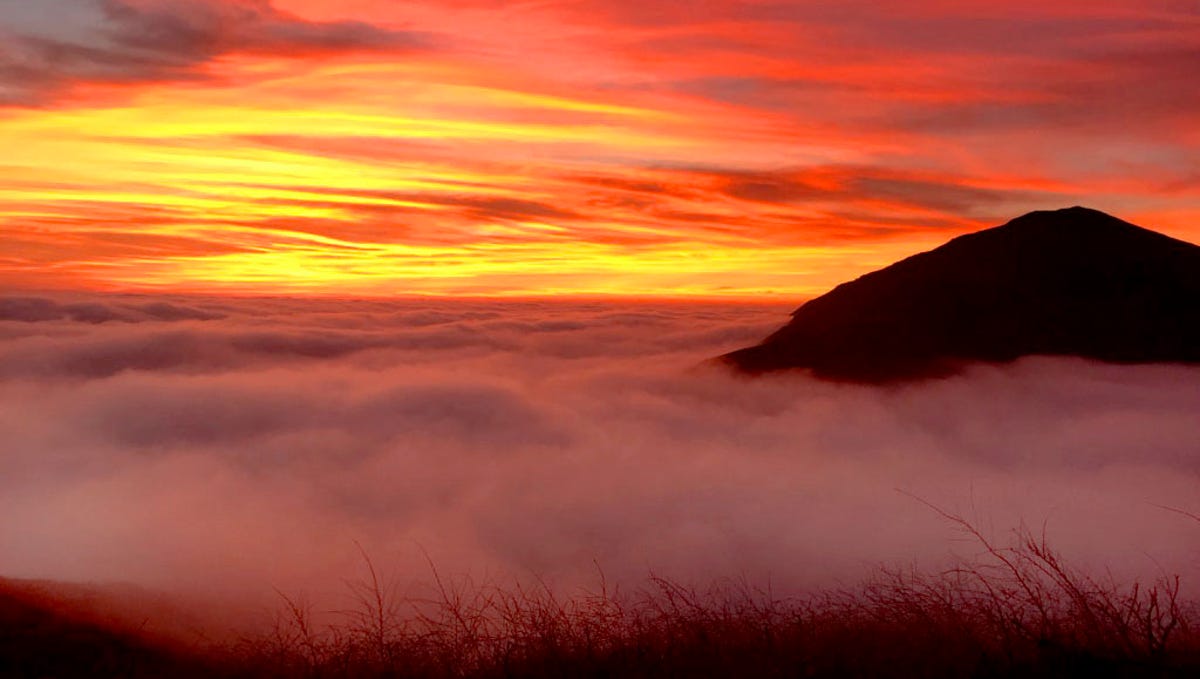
(723, 148)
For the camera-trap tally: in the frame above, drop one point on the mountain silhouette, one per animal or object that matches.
(1072, 282)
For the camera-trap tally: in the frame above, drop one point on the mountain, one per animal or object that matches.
(1072, 282)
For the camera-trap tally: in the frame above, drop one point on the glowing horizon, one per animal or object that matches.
(751, 150)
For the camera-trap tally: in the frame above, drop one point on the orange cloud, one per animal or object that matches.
(728, 149)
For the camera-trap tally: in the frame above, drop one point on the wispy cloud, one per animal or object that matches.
(52, 45)
(735, 148)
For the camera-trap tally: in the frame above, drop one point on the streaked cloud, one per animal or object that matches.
(728, 149)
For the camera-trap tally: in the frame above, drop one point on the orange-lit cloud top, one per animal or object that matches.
(738, 148)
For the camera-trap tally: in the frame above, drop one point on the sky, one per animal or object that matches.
(225, 448)
(749, 149)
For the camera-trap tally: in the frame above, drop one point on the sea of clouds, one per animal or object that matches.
(226, 447)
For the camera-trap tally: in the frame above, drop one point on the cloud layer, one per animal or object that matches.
(737, 149)
(226, 447)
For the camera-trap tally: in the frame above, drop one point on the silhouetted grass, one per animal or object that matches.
(1013, 610)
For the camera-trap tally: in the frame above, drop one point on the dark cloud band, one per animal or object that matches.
(126, 41)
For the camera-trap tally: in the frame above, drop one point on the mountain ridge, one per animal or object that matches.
(1074, 282)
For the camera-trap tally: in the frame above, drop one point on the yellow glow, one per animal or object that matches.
(426, 175)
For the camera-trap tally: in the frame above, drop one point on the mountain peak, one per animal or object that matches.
(1074, 281)
(1076, 217)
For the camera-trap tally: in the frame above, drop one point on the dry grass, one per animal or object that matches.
(1009, 610)
(1015, 609)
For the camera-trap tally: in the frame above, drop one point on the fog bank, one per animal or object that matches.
(226, 447)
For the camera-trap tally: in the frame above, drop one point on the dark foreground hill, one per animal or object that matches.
(1072, 282)
(47, 632)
